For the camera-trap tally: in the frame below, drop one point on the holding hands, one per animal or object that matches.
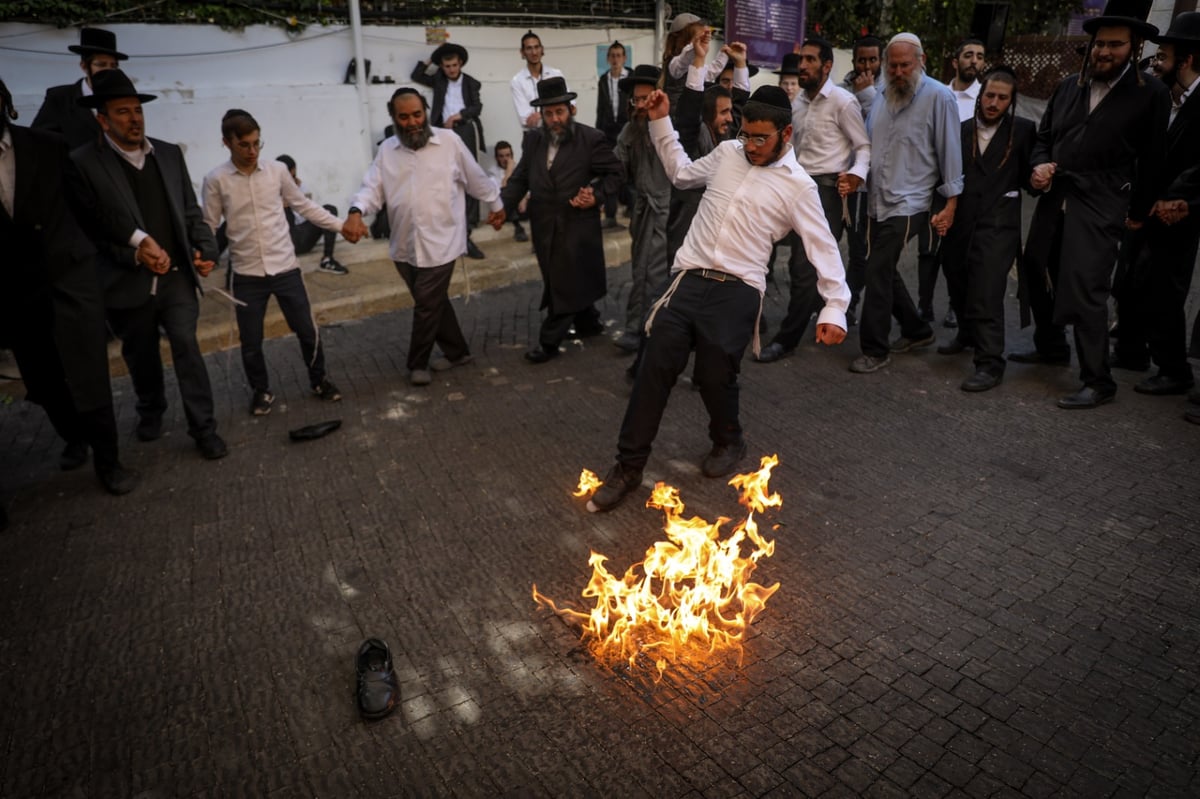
(1042, 175)
(152, 256)
(354, 228)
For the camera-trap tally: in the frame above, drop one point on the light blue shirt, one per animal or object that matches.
(914, 151)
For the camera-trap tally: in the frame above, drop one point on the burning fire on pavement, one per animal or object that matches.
(692, 593)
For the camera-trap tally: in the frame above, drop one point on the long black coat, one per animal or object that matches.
(105, 205)
(62, 115)
(50, 303)
(567, 240)
(606, 123)
(1109, 167)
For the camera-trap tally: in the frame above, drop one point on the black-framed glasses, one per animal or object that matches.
(757, 141)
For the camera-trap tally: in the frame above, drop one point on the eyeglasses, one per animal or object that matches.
(251, 145)
(1108, 45)
(757, 141)
(636, 101)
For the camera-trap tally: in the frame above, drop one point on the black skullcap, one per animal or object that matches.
(772, 96)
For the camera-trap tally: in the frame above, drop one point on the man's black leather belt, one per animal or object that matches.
(716, 274)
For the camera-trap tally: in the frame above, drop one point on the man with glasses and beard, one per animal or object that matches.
(756, 193)
(915, 150)
(568, 169)
(423, 174)
(1098, 158)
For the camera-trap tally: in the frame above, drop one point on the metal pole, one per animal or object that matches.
(660, 29)
(360, 81)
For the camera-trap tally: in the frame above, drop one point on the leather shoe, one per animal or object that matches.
(1034, 356)
(982, 380)
(952, 347)
(1119, 361)
(212, 447)
(723, 459)
(1158, 386)
(619, 481)
(473, 251)
(74, 455)
(906, 344)
(149, 428)
(378, 690)
(540, 355)
(628, 342)
(773, 352)
(118, 480)
(1087, 397)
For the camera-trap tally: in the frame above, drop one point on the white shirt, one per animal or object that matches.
(744, 209)
(829, 134)
(680, 64)
(8, 172)
(984, 134)
(1183, 98)
(453, 103)
(524, 91)
(966, 99)
(260, 242)
(136, 159)
(696, 78)
(424, 192)
(1098, 89)
(614, 94)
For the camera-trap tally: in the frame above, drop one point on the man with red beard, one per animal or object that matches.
(1098, 159)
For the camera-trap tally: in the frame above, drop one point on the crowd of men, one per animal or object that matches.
(111, 233)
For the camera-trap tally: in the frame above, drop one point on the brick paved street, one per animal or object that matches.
(981, 595)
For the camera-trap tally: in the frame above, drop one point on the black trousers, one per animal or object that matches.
(977, 284)
(175, 310)
(434, 320)
(717, 320)
(288, 290)
(805, 300)
(556, 327)
(929, 256)
(856, 238)
(887, 296)
(305, 235)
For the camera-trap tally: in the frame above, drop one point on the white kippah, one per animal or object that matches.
(905, 38)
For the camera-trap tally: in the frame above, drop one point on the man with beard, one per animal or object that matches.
(986, 237)
(861, 82)
(651, 204)
(60, 111)
(831, 145)
(915, 150)
(1157, 259)
(756, 194)
(868, 65)
(1098, 159)
(422, 174)
(568, 169)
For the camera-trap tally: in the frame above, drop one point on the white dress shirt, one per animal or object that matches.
(8, 172)
(453, 103)
(829, 134)
(1177, 104)
(966, 99)
(524, 90)
(260, 241)
(614, 93)
(424, 191)
(744, 209)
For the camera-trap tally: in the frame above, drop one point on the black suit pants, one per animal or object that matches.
(434, 320)
(805, 299)
(887, 296)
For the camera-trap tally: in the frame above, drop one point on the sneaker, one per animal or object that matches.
(420, 377)
(865, 364)
(723, 459)
(619, 481)
(444, 364)
(260, 405)
(331, 266)
(904, 343)
(326, 390)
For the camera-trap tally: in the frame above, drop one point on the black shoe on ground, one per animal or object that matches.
(952, 347)
(520, 235)
(619, 481)
(332, 266)
(327, 391)
(1033, 356)
(378, 690)
(212, 447)
(444, 364)
(773, 352)
(1158, 386)
(1118, 361)
(74, 455)
(925, 313)
(117, 480)
(982, 380)
(906, 344)
(612, 224)
(1086, 398)
(149, 428)
(540, 355)
(723, 459)
(866, 364)
(951, 320)
(260, 403)
(473, 251)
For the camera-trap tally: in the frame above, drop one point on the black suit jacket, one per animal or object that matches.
(105, 205)
(61, 114)
(1183, 156)
(606, 123)
(472, 104)
(48, 287)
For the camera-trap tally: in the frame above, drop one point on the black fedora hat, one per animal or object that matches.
(753, 70)
(1185, 28)
(790, 65)
(643, 75)
(552, 91)
(450, 49)
(97, 41)
(1130, 13)
(111, 84)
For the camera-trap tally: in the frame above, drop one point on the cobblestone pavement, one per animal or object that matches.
(982, 595)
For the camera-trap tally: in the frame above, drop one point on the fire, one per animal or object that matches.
(588, 483)
(691, 592)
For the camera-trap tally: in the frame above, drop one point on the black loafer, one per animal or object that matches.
(982, 380)
(474, 252)
(314, 431)
(1033, 356)
(378, 691)
(74, 455)
(723, 459)
(540, 355)
(1158, 386)
(1086, 398)
(772, 352)
(212, 447)
(149, 428)
(117, 480)
(619, 481)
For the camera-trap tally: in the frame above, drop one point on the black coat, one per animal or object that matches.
(50, 298)
(61, 114)
(567, 240)
(106, 206)
(472, 104)
(606, 123)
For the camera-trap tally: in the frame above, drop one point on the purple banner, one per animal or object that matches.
(770, 29)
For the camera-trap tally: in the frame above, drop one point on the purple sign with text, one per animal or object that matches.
(770, 29)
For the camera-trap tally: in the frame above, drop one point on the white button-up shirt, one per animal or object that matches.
(744, 209)
(524, 90)
(829, 134)
(260, 241)
(424, 192)
(966, 99)
(454, 102)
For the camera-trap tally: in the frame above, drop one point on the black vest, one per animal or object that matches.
(151, 196)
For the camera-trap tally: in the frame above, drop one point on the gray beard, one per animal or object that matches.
(417, 139)
(900, 98)
(565, 136)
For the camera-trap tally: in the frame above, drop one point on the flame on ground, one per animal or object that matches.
(588, 483)
(691, 591)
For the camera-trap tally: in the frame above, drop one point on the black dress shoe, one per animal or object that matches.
(982, 380)
(212, 447)
(378, 690)
(74, 455)
(1158, 386)
(926, 314)
(117, 480)
(1132, 364)
(1033, 356)
(473, 251)
(723, 459)
(952, 347)
(540, 355)
(1087, 397)
(619, 481)
(773, 352)
(149, 428)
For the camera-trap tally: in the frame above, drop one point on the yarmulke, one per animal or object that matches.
(772, 96)
(681, 21)
(905, 38)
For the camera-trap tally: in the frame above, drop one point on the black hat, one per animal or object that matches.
(772, 96)
(643, 75)
(552, 91)
(1184, 28)
(97, 41)
(111, 84)
(790, 66)
(449, 49)
(1131, 13)
(750, 67)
